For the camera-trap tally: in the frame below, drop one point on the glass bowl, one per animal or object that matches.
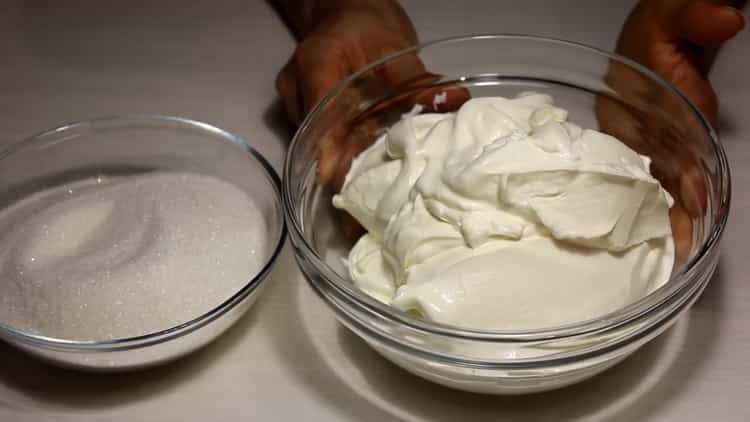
(129, 145)
(599, 89)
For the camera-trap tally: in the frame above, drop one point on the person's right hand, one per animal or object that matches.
(677, 40)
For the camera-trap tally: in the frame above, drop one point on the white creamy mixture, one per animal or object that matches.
(126, 256)
(504, 215)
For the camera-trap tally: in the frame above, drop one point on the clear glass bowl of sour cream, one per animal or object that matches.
(130, 241)
(600, 90)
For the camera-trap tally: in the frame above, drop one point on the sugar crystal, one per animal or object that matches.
(126, 256)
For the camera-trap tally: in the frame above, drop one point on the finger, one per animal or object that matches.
(409, 74)
(668, 142)
(330, 151)
(692, 184)
(616, 120)
(699, 91)
(682, 231)
(675, 156)
(317, 82)
(693, 189)
(442, 99)
(672, 164)
(402, 69)
(361, 136)
(286, 88)
(320, 65)
(684, 174)
(707, 24)
(336, 121)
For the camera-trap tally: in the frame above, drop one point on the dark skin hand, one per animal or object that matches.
(336, 38)
(677, 39)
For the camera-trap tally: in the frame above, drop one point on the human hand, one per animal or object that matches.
(344, 37)
(341, 37)
(677, 39)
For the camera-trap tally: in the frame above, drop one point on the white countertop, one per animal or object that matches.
(288, 359)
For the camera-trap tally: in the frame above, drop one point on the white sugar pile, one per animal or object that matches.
(126, 256)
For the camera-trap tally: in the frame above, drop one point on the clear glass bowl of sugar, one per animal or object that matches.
(130, 241)
(600, 90)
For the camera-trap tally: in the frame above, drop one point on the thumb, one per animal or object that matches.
(707, 24)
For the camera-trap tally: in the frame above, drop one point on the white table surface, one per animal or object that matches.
(288, 359)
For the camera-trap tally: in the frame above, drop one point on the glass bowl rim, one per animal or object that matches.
(161, 336)
(635, 311)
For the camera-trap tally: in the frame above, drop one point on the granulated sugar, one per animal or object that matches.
(126, 256)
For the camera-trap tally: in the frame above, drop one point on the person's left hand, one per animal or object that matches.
(344, 37)
(343, 41)
(347, 38)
